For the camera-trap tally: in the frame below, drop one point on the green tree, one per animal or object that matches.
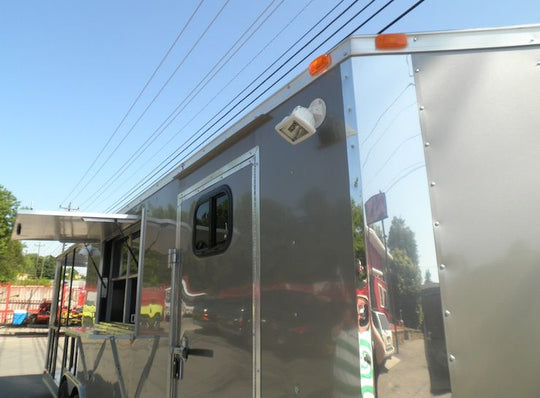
(41, 267)
(46, 267)
(8, 212)
(405, 288)
(427, 277)
(359, 241)
(402, 237)
(11, 260)
(29, 265)
(406, 277)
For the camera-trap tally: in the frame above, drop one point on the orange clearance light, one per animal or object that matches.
(391, 41)
(320, 65)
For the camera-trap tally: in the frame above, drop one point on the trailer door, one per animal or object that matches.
(215, 334)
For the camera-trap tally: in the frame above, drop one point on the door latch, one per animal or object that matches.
(180, 356)
(178, 366)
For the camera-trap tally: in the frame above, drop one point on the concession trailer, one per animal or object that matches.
(255, 267)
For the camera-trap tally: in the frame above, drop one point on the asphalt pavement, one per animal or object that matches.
(22, 359)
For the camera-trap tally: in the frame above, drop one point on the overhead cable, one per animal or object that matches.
(186, 144)
(155, 96)
(135, 101)
(246, 65)
(148, 178)
(187, 100)
(401, 16)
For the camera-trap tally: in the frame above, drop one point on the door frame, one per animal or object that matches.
(248, 159)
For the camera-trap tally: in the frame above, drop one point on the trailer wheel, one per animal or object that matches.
(63, 389)
(75, 394)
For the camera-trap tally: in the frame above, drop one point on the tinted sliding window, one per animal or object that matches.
(213, 222)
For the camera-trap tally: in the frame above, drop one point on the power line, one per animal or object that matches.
(195, 137)
(168, 161)
(394, 152)
(402, 15)
(370, 150)
(407, 171)
(246, 65)
(136, 100)
(187, 100)
(155, 96)
(381, 31)
(289, 70)
(148, 178)
(245, 88)
(385, 111)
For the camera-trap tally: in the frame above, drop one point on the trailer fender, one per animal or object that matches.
(73, 385)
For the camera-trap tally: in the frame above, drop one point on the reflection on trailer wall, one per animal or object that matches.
(378, 259)
(400, 244)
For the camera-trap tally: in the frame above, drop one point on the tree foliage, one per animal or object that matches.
(359, 241)
(11, 258)
(402, 237)
(406, 277)
(11, 261)
(427, 277)
(405, 287)
(39, 267)
(8, 212)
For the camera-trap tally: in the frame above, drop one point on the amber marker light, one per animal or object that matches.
(391, 41)
(320, 65)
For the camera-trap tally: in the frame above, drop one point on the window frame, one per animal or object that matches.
(211, 198)
(126, 283)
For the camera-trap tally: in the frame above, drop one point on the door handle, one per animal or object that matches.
(181, 355)
(185, 350)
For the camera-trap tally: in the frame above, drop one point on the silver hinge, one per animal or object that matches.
(174, 258)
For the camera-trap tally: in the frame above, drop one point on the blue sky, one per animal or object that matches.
(71, 70)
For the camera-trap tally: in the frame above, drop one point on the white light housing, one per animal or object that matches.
(302, 123)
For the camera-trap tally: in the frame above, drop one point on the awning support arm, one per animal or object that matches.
(125, 242)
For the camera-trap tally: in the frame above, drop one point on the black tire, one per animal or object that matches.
(75, 394)
(63, 389)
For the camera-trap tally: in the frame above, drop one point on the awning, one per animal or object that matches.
(69, 227)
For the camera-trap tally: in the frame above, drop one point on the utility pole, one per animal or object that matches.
(37, 257)
(68, 208)
(42, 265)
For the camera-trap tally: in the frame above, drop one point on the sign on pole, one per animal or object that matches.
(376, 208)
